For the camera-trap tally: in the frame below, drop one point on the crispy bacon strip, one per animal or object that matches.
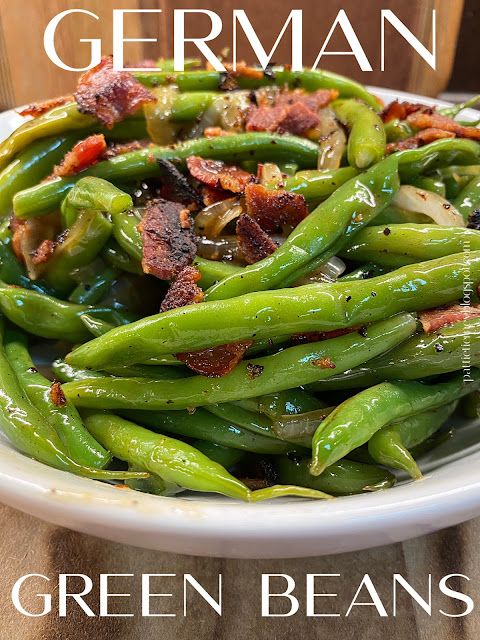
(217, 361)
(210, 195)
(400, 110)
(184, 290)
(217, 132)
(43, 252)
(253, 242)
(438, 121)
(175, 186)
(33, 241)
(218, 175)
(419, 139)
(434, 319)
(244, 70)
(37, 109)
(314, 101)
(120, 148)
(56, 394)
(169, 242)
(272, 209)
(83, 155)
(110, 95)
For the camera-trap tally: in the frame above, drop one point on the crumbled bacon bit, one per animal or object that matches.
(43, 252)
(243, 70)
(56, 394)
(39, 108)
(400, 110)
(272, 209)
(318, 336)
(175, 186)
(216, 361)
(218, 175)
(253, 242)
(419, 139)
(210, 195)
(227, 82)
(110, 95)
(184, 290)
(119, 149)
(324, 363)
(254, 370)
(18, 228)
(434, 319)
(83, 155)
(217, 132)
(316, 100)
(169, 242)
(438, 121)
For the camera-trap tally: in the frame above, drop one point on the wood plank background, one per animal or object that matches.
(27, 74)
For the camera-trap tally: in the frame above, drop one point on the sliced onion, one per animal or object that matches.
(300, 427)
(221, 248)
(267, 96)
(36, 231)
(430, 204)
(157, 114)
(270, 174)
(330, 271)
(233, 110)
(332, 140)
(211, 221)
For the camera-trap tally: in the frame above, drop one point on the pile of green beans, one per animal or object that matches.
(306, 412)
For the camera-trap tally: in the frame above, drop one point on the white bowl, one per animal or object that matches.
(213, 526)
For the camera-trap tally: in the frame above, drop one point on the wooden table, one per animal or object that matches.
(28, 545)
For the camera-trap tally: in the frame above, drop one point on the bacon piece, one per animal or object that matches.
(184, 290)
(218, 175)
(217, 132)
(437, 121)
(265, 118)
(316, 100)
(18, 227)
(400, 110)
(56, 394)
(272, 209)
(210, 195)
(37, 109)
(175, 186)
(110, 95)
(119, 149)
(83, 155)
(324, 363)
(243, 70)
(253, 242)
(318, 336)
(217, 361)
(419, 139)
(43, 252)
(168, 235)
(434, 319)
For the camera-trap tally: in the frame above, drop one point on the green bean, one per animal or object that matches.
(251, 420)
(396, 130)
(308, 79)
(203, 425)
(283, 403)
(82, 244)
(455, 109)
(93, 193)
(342, 478)
(292, 367)
(172, 460)
(429, 183)
(225, 456)
(315, 307)
(64, 418)
(316, 185)
(120, 259)
(366, 141)
(283, 491)
(396, 245)
(421, 356)
(31, 166)
(468, 200)
(65, 372)
(96, 326)
(154, 484)
(470, 405)
(213, 270)
(437, 154)
(368, 270)
(357, 419)
(30, 433)
(46, 197)
(390, 446)
(352, 205)
(93, 289)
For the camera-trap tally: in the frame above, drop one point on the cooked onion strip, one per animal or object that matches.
(432, 205)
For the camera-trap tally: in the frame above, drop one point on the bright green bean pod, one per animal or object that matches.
(93, 193)
(357, 419)
(203, 425)
(396, 130)
(430, 183)
(468, 200)
(437, 154)
(64, 418)
(366, 271)
(316, 185)
(352, 205)
(251, 420)
(172, 460)
(225, 456)
(93, 290)
(390, 446)
(342, 478)
(308, 79)
(30, 167)
(120, 259)
(283, 403)
(65, 372)
(396, 245)
(83, 243)
(315, 307)
(264, 147)
(367, 140)
(292, 367)
(421, 356)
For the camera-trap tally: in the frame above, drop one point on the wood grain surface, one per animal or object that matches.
(26, 74)
(30, 546)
